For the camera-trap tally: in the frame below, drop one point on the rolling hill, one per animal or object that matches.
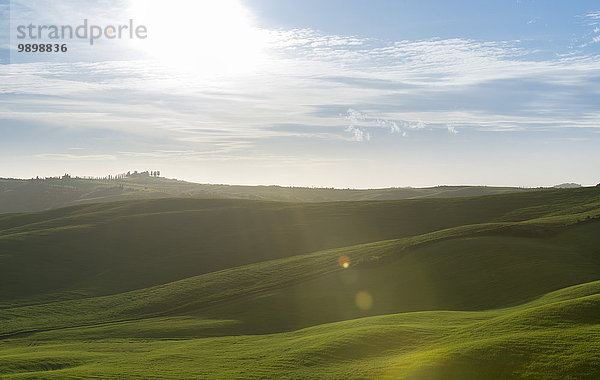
(498, 286)
(18, 195)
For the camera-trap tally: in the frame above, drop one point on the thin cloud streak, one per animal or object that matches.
(75, 157)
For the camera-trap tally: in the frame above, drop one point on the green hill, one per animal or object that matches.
(554, 337)
(501, 286)
(106, 248)
(17, 195)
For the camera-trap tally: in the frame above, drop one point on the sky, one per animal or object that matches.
(347, 94)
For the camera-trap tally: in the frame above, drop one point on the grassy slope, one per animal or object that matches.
(554, 337)
(477, 268)
(453, 269)
(109, 248)
(34, 195)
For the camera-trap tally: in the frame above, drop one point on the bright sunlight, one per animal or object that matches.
(210, 38)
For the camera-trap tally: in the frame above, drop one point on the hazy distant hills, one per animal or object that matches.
(17, 195)
(569, 185)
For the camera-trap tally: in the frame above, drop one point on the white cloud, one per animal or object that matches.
(366, 120)
(593, 18)
(355, 117)
(452, 129)
(358, 134)
(392, 125)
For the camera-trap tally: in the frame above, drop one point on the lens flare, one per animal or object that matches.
(363, 300)
(344, 261)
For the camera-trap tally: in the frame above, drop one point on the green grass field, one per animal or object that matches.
(499, 286)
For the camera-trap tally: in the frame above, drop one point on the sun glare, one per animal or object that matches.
(207, 37)
(344, 261)
(363, 300)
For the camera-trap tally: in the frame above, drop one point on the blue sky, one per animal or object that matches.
(312, 93)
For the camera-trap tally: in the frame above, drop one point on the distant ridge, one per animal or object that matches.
(19, 195)
(569, 185)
